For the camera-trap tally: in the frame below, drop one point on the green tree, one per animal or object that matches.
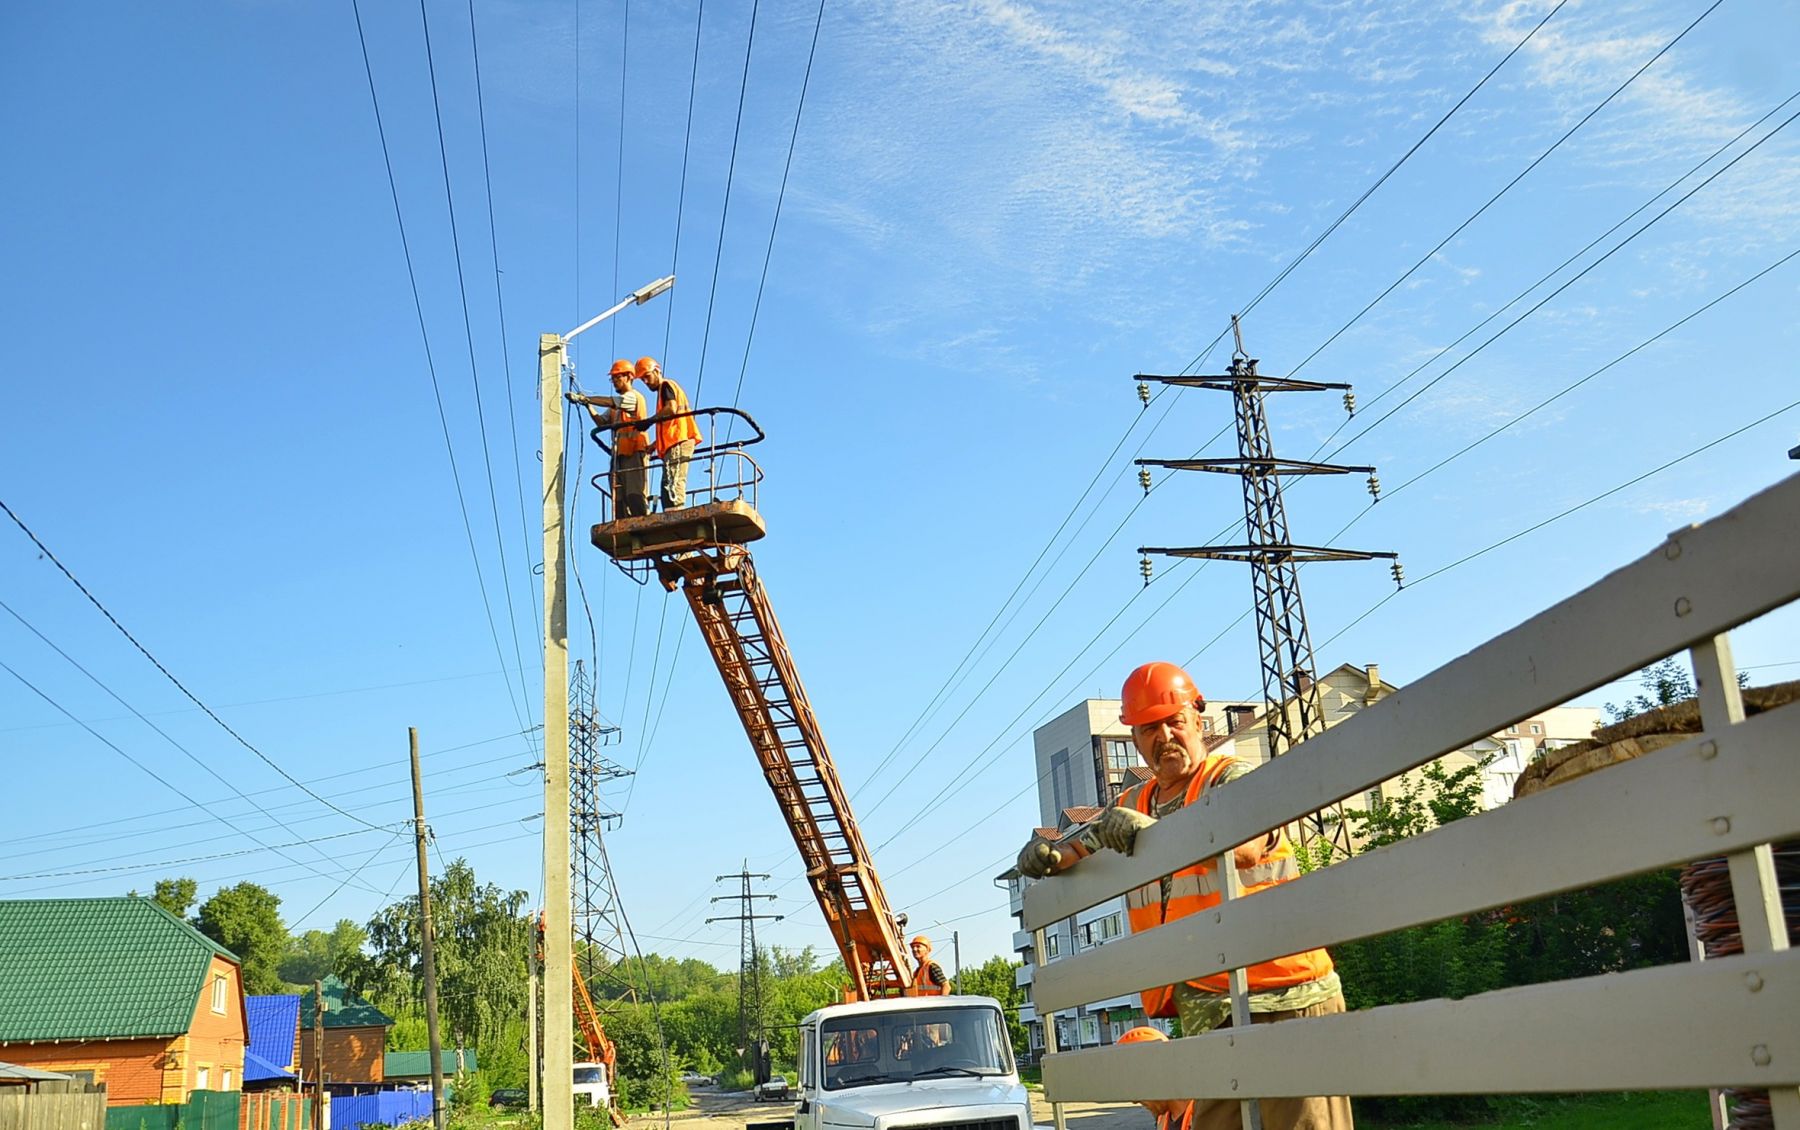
(996, 978)
(1664, 684)
(317, 954)
(173, 895)
(246, 919)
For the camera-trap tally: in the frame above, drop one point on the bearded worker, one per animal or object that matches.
(1162, 706)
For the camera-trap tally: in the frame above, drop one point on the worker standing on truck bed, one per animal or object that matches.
(1162, 706)
(675, 439)
(928, 975)
(630, 446)
(1170, 1114)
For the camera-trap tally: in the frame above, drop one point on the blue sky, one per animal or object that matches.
(219, 412)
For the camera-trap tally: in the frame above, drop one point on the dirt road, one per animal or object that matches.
(713, 1110)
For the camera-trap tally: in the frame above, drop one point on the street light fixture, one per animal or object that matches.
(637, 297)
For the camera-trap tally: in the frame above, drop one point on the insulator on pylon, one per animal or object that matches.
(1145, 568)
(1399, 573)
(1144, 392)
(1375, 486)
(1144, 478)
(1350, 401)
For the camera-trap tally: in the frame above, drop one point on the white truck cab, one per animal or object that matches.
(910, 1063)
(592, 1085)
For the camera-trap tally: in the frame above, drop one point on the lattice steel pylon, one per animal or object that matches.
(1293, 711)
(753, 1043)
(599, 931)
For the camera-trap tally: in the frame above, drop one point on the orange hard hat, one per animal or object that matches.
(1157, 691)
(1143, 1035)
(921, 940)
(647, 365)
(620, 366)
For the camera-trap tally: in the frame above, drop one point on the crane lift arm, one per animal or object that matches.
(736, 620)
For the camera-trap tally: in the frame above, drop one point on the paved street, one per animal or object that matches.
(733, 1110)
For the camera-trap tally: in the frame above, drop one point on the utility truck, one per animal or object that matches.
(907, 1064)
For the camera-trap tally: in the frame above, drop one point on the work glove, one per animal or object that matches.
(1117, 828)
(1037, 858)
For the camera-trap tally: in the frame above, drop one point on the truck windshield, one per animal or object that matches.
(590, 1075)
(924, 1043)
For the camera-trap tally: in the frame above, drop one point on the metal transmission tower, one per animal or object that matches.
(753, 1044)
(597, 914)
(1290, 687)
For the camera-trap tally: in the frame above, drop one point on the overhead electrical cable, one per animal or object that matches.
(462, 290)
(1507, 187)
(167, 674)
(725, 210)
(1572, 280)
(160, 732)
(431, 366)
(619, 170)
(1556, 270)
(512, 394)
(145, 769)
(335, 891)
(781, 195)
(687, 135)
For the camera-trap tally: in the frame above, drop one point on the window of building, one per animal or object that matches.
(218, 995)
(1120, 754)
(224, 1078)
(1110, 926)
(1537, 727)
(202, 1075)
(1052, 946)
(1062, 783)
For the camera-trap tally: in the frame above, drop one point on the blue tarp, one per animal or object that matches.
(385, 1108)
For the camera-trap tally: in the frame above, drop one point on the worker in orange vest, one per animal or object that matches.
(1170, 1114)
(928, 975)
(630, 445)
(1162, 706)
(676, 438)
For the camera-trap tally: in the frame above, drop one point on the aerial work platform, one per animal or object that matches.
(720, 508)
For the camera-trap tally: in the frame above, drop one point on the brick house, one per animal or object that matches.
(355, 1036)
(121, 992)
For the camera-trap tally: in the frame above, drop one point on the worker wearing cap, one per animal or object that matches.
(630, 445)
(1162, 706)
(1170, 1114)
(675, 438)
(928, 975)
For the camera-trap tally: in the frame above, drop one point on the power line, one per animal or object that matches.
(151, 773)
(725, 210)
(687, 135)
(167, 674)
(431, 364)
(619, 170)
(462, 289)
(1523, 173)
(1573, 279)
(1554, 271)
(335, 891)
(512, 416)
(775, 223)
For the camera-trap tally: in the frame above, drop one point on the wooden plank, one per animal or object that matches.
(1701, 582)
(1712, 794)
(1727, 1022)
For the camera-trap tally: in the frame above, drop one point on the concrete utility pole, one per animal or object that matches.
(559, 944)
(531, 1040)
(559, 936)
(318, 1063)
(427, 937)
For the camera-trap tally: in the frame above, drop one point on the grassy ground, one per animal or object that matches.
(1678, 1110)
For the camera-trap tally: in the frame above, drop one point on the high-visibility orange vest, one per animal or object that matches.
(629, 441)
(1164, 1122)
(1195, 889)
(670, 398)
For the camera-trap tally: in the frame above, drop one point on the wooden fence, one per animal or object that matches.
(274, 1110)
(50, 1109)
(1726, 1022)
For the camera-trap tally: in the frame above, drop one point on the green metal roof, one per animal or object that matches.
(343, 1010)
(406, 1065)
(98, 968)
